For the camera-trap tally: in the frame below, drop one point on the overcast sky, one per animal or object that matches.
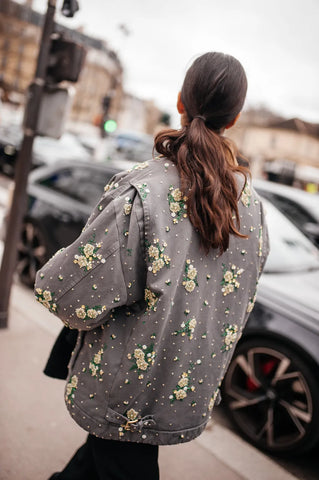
(277, 41)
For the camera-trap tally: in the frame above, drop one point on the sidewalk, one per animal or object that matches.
(38, 436)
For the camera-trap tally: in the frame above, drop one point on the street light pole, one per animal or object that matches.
(23, 167)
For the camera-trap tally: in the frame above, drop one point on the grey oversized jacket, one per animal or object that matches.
(158, 319)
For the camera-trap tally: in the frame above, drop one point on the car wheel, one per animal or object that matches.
(32, 253)
(272, 397)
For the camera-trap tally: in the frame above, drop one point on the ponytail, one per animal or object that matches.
(207, 166)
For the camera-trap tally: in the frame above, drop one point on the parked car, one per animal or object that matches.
(271, 390)
(45, 150)
(301, 207)
(126, 145)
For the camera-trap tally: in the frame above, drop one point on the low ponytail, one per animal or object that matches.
(213, 94)
(206, 164)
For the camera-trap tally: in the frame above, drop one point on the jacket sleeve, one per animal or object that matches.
(97, 273)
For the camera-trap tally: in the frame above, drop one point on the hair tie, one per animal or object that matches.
(200, 116)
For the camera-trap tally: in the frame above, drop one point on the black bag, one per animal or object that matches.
(57, 364)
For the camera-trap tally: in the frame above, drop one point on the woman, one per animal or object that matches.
(160, 285)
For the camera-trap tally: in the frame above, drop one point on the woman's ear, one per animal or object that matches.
(180, 106)
(232, 123)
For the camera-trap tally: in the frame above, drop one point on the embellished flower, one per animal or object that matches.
(84, 312)
(70, 389)
(190, 277)
(151, 299)
(132, 414)
(230, 335)
(213, 399)
(127, 206)
(187, 328)
(142, 357)
(88, 253)
(95, 364)
(177, 195)
(183, 386)
(177, 204)
(144, 190)
(46, 298)
(139, 166)
(230, 281)
(156, 256)
(251, 304)
(246, 195)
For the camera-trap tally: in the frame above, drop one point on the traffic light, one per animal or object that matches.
(66, 59)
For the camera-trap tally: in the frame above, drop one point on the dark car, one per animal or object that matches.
(271, 389)
(45, 150)
(302, 208)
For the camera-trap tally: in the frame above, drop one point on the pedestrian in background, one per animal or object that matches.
(160, 285)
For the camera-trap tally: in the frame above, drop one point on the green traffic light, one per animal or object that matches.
(110, 126)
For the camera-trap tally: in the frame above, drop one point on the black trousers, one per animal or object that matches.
(100, 459)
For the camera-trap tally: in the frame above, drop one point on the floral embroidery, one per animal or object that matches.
(84, 312)
(111, 186)
(187, 328)
(151, 299)
(144, 190)
(251, 303)
(70, 389)
(132, 414)
(213, 399)
(95, 364)
(183, 386)
(143, 357)
(46, 298)
(156, 256)
(177, 204)
(127, 206)
(139, 166)
(88, 254)
(230, 335)
(190, 277)
(230, 281)
(246, 195)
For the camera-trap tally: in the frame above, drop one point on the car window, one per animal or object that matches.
(290, 250)
(296, 213)
(78, 183)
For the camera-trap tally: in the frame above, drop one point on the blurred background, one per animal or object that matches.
(137, 56)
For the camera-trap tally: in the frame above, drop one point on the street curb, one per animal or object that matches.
(239, 455)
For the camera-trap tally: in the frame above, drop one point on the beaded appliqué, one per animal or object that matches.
(177, 204)
(156, 256)
(183, 386)
(144, 190)
(70, 389)
(246, 195)
(187, 328)
(230, 281)
(88, 253)
(190, 277)
(84, 312)
(46, 298)
(143, 357)
(151, 299)
(127, 207)
(230, 335)
(95, 364)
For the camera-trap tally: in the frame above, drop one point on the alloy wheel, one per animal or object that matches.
(269, 398)
(31, 253)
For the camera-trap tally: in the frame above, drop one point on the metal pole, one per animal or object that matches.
(23, 166)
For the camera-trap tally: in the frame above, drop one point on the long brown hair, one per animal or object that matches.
(213, 94)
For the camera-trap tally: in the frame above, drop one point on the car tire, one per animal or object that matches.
(272, 397)
(32, 253)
